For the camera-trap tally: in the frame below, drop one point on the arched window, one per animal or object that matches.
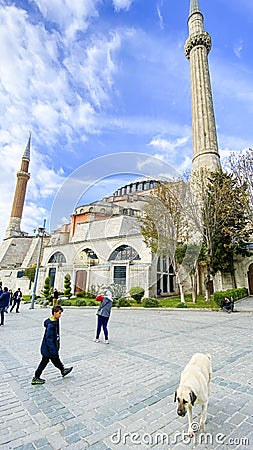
(165, 275)
(124, 253)
(57, 257)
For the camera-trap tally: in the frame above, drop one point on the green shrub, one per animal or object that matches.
(136, 293)
(236, 294)
(123, 302)
(149, 302)
(80, 302)
(81, 294)
(47, 288)
(92, 303)
(67, 285)
(181, 305)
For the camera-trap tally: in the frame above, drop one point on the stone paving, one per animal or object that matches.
(120, 396)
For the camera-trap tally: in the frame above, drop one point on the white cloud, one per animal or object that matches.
(94, 71)
(159, 13)
(70, 15)
(122, 4)
(238, 48)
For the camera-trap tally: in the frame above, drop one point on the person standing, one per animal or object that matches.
(103, 314)
(17, 297)
(50, 347)
(55, 297)
(11, 297)
(4, 301)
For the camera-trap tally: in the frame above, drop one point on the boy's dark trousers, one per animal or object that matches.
(2, 308)
(44, 362)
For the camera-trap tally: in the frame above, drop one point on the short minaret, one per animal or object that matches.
(23, 176)
(197, 47)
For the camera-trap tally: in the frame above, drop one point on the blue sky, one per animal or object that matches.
(93, 78)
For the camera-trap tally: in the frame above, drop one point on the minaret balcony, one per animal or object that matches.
(203, 39)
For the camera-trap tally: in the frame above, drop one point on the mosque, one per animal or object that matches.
(102, 245)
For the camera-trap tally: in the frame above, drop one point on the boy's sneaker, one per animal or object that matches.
(37, 381)
(66, 371)
(106, 341)
(96, 340)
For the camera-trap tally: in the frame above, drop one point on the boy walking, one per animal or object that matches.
(50, 346)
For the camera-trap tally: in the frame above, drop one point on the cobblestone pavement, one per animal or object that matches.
(120, 396)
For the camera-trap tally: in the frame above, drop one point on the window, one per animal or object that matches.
(57, 257)
(119, 276)
(124, 253)
(20, 273)
(51, 274)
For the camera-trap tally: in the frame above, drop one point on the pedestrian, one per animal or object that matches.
(11, 296)
(227, 305)
(55, 297)
(4, 301)
(50, 346)
(10, 302)
(17, 297)
(103, 314)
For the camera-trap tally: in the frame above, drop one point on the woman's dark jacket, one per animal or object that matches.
(105, 308)
(51, 340)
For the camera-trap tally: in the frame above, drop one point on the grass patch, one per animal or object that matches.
(172, 302)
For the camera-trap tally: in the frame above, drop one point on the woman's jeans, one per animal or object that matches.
(102, 322)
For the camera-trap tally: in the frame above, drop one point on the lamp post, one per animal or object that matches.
(40, 233)
(90, 256)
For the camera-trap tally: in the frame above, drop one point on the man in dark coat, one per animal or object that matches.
(4, 301)
(50, 346)
(17, 296)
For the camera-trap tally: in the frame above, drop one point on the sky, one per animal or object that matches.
(104, 88)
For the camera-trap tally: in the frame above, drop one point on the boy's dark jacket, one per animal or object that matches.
(51, 340)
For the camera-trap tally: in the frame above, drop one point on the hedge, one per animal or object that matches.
(236, 294)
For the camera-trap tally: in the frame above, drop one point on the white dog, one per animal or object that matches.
(194, 389)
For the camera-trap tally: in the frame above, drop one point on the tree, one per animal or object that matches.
(226, 228)
(168, 229)
(136, 293)
(29, 272)
(47, 288)
(67, 285)
(240, 164)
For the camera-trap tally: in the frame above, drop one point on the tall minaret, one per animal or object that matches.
(23, 176)
(197, 47)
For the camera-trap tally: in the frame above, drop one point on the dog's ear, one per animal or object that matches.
(175, 397)
(193, 398)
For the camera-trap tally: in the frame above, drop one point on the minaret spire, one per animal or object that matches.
(23, 176)
(197, 47)
(194, 7)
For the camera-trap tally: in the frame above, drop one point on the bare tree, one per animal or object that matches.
(224, 203)
(167, 228)
(241, 166)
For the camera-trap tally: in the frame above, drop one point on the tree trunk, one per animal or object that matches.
(233, 279)
(181, 290)
(194, 286)
(207, 283)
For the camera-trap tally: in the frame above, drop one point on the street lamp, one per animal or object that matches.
(40, 233)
